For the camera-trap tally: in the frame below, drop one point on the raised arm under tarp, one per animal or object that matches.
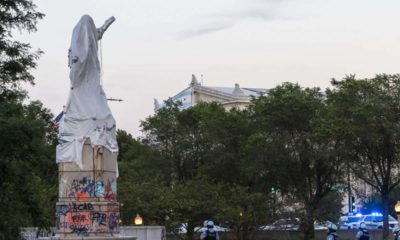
(104, 28)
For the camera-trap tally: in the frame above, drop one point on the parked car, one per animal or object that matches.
(217, 228)
(183, 229)
(320, 226)
(375, 221)
(350, 222)
(283, 224)
(290, 224)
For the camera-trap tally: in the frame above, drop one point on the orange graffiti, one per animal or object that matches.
(78, 218)
(82, 196)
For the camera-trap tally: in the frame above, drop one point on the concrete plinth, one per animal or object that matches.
(88, 206)
(96, 238)
(144, 232)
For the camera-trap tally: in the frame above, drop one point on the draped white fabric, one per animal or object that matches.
(87, 114)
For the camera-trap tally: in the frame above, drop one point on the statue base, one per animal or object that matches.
(94, 238)
(87, 206)
(88, 220)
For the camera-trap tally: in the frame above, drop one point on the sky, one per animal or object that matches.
(154, 46)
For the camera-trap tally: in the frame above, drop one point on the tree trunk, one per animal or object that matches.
(239, 232)
(307, 225)
(385, 203)
(190, 231)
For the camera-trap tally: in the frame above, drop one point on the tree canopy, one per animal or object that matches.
(367, 116)
(28, 174)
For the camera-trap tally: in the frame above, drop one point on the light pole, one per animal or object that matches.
(397, 209)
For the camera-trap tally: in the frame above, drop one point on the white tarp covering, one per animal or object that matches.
(87, 114)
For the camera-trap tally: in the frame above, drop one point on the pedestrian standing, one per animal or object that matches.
(332, 234)
(396, 233)
(210, 233)
(362, 233)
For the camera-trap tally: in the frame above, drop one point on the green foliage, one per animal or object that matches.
(28, 174)
(282, 156)
(16, 58)
(367, 113)
(196, 140)
(191, 159)
(329, 208)
(373, 202)
(244, 208)
(293, 148)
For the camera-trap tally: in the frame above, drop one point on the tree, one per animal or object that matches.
(299, 152)
(243, 209)
(367, 111)
(16, 58)
(185, 143)
(27, 169)
(28, 173)
(142, 181)
(191, 159)
(197, 141)
(147, 188)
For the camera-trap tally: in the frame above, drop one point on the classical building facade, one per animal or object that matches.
(228, 97)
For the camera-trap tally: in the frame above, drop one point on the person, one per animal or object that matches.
(396, 233)
(205, 223)
(362, 233)
(332, 228)
(210, 233)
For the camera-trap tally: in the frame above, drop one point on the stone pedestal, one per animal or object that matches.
(87, 207)
(144, 232)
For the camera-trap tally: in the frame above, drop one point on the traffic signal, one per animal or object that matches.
(353, 204)
(273, 190)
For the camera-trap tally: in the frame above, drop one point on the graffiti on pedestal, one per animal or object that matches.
(64, 209)
(84, 218)
(99, 188)
(111, 190)
(79, 223)
(113, 217)
(113, 221)
(100, 218)
(107, 190)
(85, 188)
(81, 189)
(85, 215)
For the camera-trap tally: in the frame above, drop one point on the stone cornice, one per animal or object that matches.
(218, 94)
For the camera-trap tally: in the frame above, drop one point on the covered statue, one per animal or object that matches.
(86, 114)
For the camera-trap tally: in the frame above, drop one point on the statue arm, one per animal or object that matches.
(103, 28)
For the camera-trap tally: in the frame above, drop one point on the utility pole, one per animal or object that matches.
(349, 188)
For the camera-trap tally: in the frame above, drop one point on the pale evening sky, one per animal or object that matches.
(155, 45)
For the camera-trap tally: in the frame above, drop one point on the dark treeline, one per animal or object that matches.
(283, 156)
(28, 174)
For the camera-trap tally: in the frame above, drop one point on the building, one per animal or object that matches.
(228, 97)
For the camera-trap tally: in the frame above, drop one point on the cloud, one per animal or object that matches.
(265, 10)
(206, 29)
(256, 13)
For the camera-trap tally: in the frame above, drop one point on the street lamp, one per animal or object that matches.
(397, 209)
(138, 220)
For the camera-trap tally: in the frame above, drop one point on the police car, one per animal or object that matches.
(375, 221)
(350, 222)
